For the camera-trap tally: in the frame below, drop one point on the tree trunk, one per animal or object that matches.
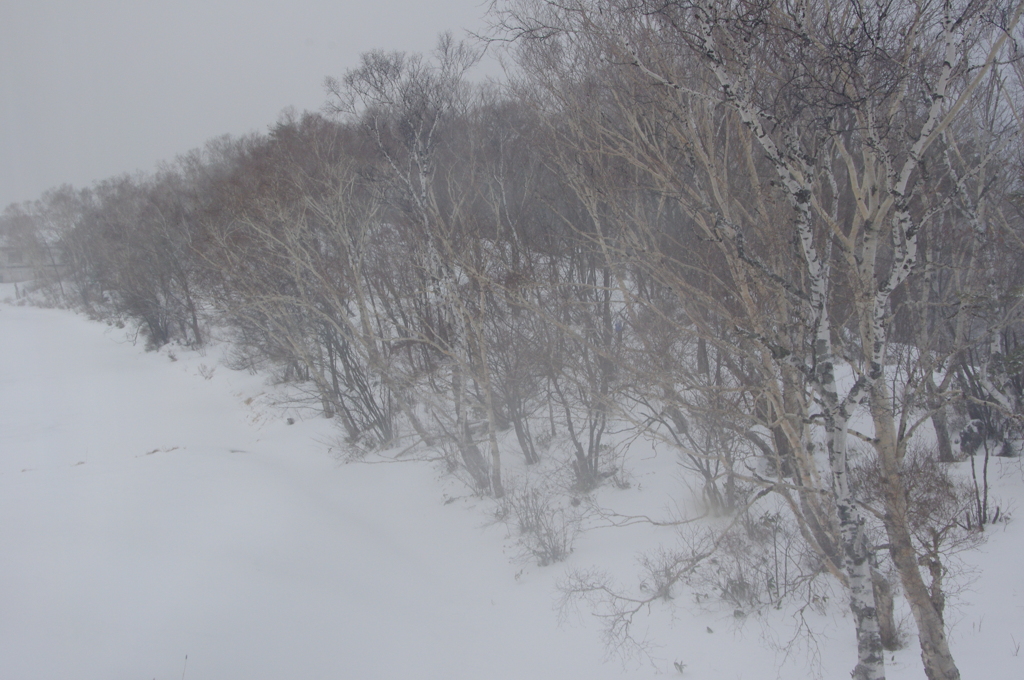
(935, 654)
(884, 607)
(938, 661)
(854, 544)
(942, 439)
(522, 428)
(940, 423)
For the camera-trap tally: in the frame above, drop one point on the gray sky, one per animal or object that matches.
(93, 88)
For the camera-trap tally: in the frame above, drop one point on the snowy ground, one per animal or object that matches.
(153, 508)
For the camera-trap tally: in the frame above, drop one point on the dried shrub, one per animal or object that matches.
(546, 530)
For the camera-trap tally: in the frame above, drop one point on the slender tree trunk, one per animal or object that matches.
(939, 423)
(935, 653)
(884, 605)
(522, 428)
(856, 561)
(485, 373)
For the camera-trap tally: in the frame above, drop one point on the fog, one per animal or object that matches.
(92, 90)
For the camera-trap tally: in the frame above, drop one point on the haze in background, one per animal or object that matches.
(89, 90)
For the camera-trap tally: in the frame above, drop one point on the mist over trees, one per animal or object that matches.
(729, 226)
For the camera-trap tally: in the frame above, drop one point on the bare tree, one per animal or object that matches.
(800, 143)
(409, 107)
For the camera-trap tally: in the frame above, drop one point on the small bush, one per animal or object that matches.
(546, 531)
(760, 561)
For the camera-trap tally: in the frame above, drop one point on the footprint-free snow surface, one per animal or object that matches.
(147, 514)
(153, 509)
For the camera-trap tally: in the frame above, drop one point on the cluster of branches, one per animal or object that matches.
(819, 193)
(392, 255)
(733, 226)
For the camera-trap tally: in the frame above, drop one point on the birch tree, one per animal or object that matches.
(408, 106)
(837, 112)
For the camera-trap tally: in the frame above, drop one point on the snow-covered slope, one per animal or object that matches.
(153, 508)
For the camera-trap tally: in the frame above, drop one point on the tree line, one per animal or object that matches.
(780, 236)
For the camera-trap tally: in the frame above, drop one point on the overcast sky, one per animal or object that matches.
(94, 88)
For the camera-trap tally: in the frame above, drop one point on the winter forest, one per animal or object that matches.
(780, 239)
